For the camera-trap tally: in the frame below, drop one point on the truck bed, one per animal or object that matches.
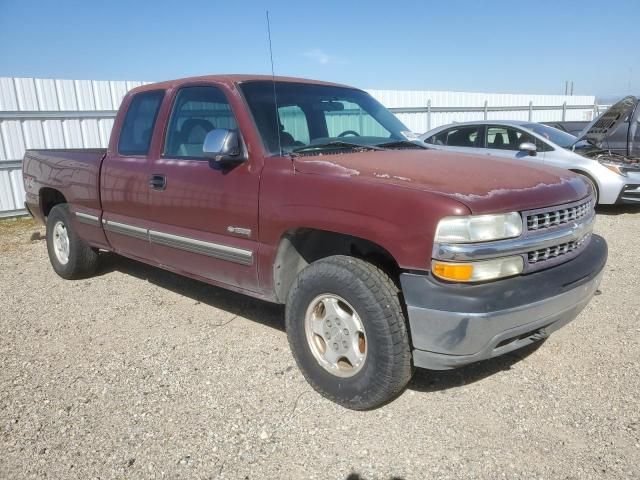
(73, 172)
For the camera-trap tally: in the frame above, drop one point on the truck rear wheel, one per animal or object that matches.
(348, 333)
(70, 256)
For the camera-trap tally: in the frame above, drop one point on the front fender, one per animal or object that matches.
(400, 220)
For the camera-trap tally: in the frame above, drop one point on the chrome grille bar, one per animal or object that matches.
(544, 254)
(539, 220)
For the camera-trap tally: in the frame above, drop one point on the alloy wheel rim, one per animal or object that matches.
(61, 242)
(335, 335)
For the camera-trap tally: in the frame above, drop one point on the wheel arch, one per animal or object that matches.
(49, 198)
(301, 246)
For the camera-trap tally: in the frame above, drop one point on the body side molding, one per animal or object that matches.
(216, 250)
(88, 219)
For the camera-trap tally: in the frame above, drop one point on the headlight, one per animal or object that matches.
(478, 271)
(478, 228)
(614, 167)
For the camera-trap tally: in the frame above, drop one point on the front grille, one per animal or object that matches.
(558, 216)
(631, 193)
(556, 251)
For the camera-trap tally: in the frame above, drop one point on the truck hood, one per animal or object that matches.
(597, 131)
(484, 185)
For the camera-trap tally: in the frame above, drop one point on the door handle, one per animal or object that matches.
(157, 182)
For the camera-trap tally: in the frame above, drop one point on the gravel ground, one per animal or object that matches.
(139, 373)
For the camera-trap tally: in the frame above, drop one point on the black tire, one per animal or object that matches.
(387, 367)
(82, 259)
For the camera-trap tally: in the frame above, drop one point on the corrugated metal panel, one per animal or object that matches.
(49, 95)
(54, 95)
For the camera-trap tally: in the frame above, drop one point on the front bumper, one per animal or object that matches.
(457, 324)
(630, 194)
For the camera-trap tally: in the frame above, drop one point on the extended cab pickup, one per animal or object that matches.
(388, 255)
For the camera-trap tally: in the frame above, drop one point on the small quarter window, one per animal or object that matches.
(137, 129)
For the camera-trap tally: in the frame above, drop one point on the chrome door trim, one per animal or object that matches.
(125, 229)
(216, 250)
(88, 219)
(223, 252)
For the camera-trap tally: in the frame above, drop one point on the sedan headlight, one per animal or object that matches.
(614, 167)
(479, 228)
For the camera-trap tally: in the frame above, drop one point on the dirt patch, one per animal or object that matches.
(20, 231)
(140, 373)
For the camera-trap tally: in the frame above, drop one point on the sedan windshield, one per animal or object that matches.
(312, 118)
(560, 138)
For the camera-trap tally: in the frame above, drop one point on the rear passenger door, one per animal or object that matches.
(203, 216)
(124, 186)
(462, 138)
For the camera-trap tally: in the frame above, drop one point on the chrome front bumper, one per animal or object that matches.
(456, 324)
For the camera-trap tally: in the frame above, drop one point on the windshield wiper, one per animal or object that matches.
(337, 145)
(402, 144)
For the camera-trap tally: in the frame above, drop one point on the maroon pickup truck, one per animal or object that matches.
(387, 255)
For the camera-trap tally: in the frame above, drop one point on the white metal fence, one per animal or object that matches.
(423, 110)
(47, 113)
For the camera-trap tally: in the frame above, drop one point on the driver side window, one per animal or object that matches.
(507, 138)
(196, 112)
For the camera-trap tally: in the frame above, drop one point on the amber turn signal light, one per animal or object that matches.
(457, 272)
(478, 271)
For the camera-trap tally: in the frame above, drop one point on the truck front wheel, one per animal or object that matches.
(348, 333)
(70, 256)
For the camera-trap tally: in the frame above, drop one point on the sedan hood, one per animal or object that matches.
(484, 185)
(597, 131)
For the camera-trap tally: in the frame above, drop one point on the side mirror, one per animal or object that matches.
(528, 147)
(223, 145)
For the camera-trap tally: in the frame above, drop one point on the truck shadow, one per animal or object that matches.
(357, 476)
(272, 315)
(613, 210)
(265, 313)
(434, 381)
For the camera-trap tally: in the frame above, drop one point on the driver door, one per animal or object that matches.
(203, 216)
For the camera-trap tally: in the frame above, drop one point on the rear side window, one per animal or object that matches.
(135, 136)
(196, 112)
(467, 136)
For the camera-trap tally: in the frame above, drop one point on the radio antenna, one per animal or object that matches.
(273, 80)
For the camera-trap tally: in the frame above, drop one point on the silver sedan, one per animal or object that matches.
(616, 180)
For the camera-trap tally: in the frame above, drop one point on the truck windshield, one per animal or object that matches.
(319, 115)
(560, 138)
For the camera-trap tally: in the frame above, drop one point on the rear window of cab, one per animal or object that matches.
(137, 128)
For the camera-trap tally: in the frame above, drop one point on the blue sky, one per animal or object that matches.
(491, 46)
